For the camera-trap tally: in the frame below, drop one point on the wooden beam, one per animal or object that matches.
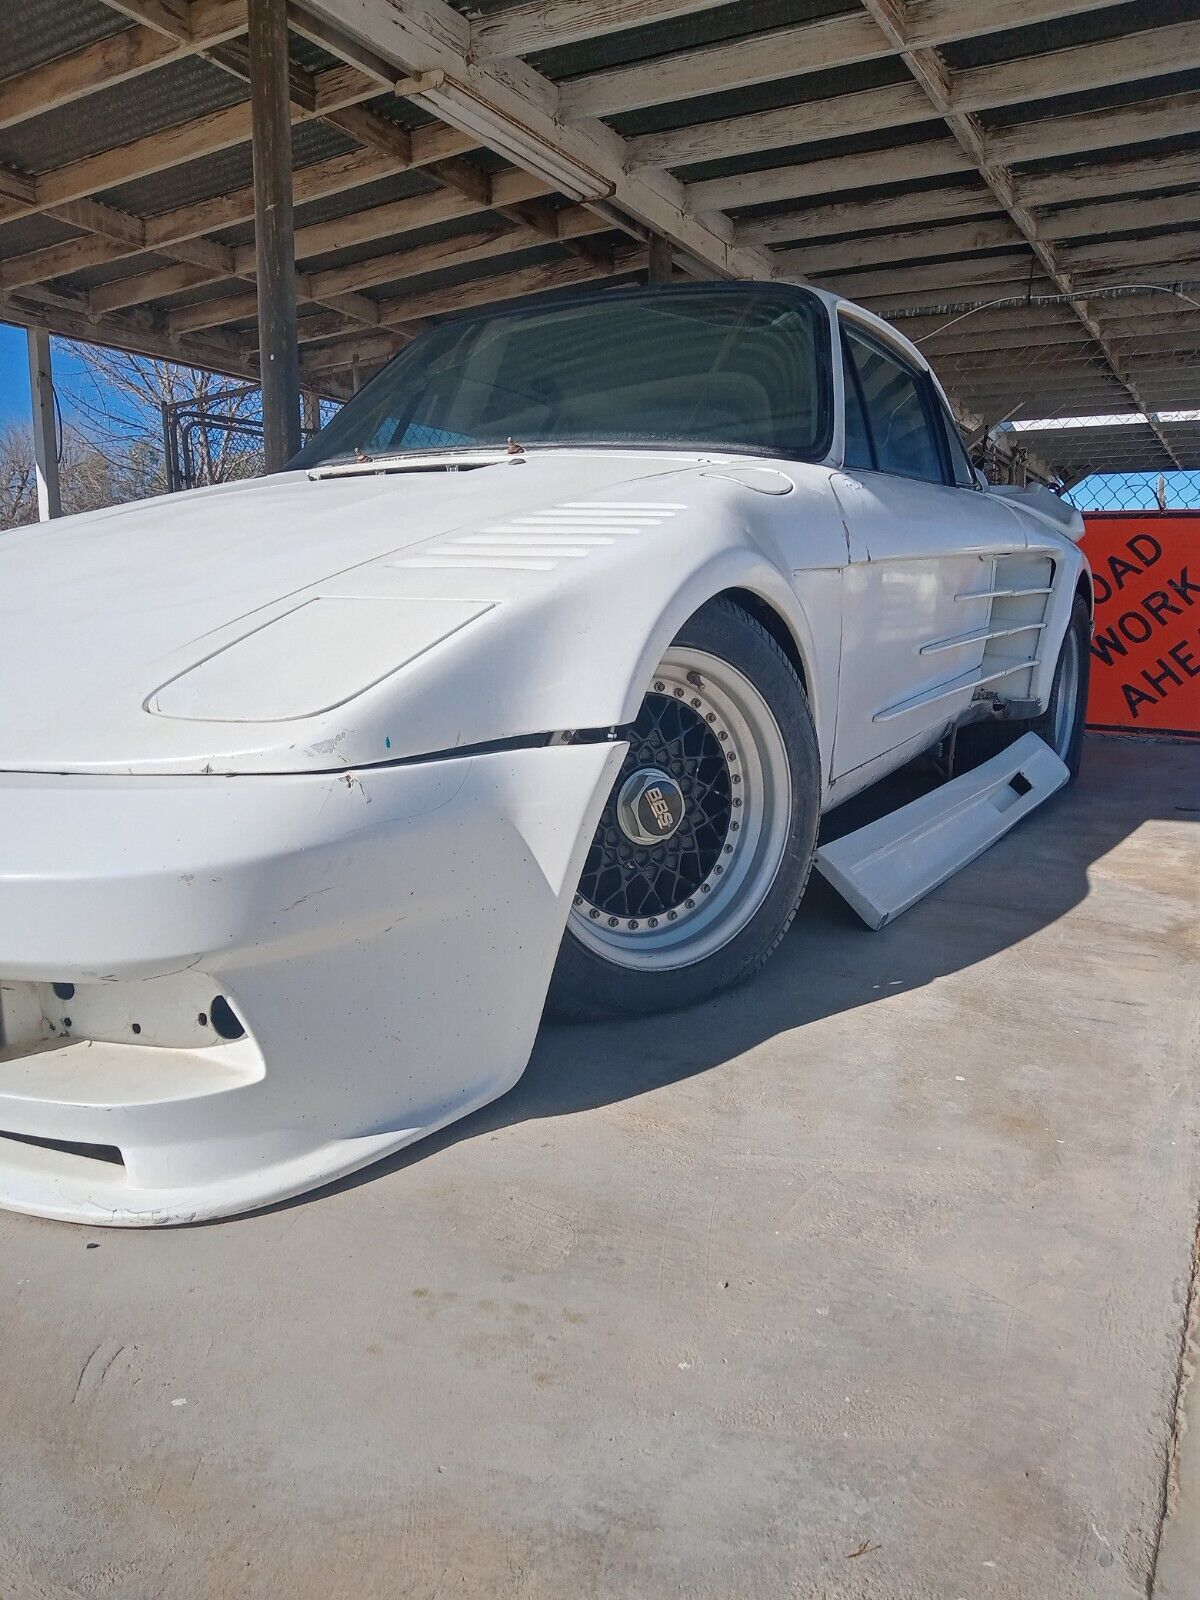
(114, 60)
(489, 291)
(943, 205)
(514, 111)
(273, 232)
(140, 334)
(1096, 179)
(849, 216)
(934, 244)
(718, 68)
(169, 17)
(830, 42)
(388, 221)
(546, 24)
(1120, 216)
(1014, 272)
(832, 175)
(1031, 78)
(1114, 128)
(835, 117)
(332, 286)
(203, 136)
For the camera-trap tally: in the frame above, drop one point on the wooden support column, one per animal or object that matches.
(660, 267)
(274, 233)
(45, 425)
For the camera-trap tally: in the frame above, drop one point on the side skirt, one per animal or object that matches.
(890, 864)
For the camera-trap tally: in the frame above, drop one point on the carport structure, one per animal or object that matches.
(1020, 183)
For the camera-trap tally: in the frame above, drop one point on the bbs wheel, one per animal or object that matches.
(704, 847)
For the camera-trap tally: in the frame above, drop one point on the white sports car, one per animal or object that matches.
(532, 676)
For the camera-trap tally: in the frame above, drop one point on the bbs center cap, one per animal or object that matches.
(650, 806)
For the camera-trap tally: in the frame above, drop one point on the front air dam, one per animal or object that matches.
(384, 938)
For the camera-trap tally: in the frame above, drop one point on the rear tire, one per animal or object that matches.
(725, 736)
(1061, 724)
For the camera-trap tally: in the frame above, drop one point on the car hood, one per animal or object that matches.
(101, 612)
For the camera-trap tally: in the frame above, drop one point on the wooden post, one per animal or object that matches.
(660, 260)
(274, 235)
(45, 426)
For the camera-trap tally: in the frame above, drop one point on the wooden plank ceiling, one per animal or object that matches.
(1019, 184)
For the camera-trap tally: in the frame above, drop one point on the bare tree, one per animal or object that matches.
(89, 477)
(119, 402)
(112, 448)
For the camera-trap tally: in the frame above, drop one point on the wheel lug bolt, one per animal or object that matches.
(653, 922)
(728, 849)
(704, 888)
(734, 826)
(594, 914)
(633, 924)
(679, 694)
(696, 703)
(689, 904)
(712, 716)
(660, 687)
(722, 735)
(612, 922)
(671, 915)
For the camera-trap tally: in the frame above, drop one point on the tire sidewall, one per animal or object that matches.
(1080, 626)
(584, 984)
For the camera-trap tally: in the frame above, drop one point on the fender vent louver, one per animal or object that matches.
(541, 540)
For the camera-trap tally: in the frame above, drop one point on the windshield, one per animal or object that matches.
(741, 368)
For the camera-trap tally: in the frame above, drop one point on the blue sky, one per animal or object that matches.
(14, 373)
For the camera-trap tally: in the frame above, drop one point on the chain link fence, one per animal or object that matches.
(1099, 392)
(218, 438)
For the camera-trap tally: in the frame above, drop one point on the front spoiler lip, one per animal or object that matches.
(386, 936)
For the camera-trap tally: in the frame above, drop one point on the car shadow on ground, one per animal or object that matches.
(831, 963)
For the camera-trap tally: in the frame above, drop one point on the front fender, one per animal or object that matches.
(575, 646)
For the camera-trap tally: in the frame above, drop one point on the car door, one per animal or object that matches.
(923, 548)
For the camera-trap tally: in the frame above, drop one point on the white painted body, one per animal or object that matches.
(227, 767)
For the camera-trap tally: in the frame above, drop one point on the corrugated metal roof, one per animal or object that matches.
(33, 31)
(164, 98)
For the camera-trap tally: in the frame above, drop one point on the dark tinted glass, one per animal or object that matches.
(901, 427)
(722, 367)
(858, 441)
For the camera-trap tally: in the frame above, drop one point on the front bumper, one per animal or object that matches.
(384, 937)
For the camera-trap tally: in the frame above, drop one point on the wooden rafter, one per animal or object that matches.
(432, 48)
(1085, 66)
(941, 87)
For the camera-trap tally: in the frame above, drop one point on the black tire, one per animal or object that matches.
(586, 984)
(976, 743)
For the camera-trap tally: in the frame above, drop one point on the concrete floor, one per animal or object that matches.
(868, 1280)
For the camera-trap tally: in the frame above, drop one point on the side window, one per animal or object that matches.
(900, 423)
(858, 439)
(960, 461)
